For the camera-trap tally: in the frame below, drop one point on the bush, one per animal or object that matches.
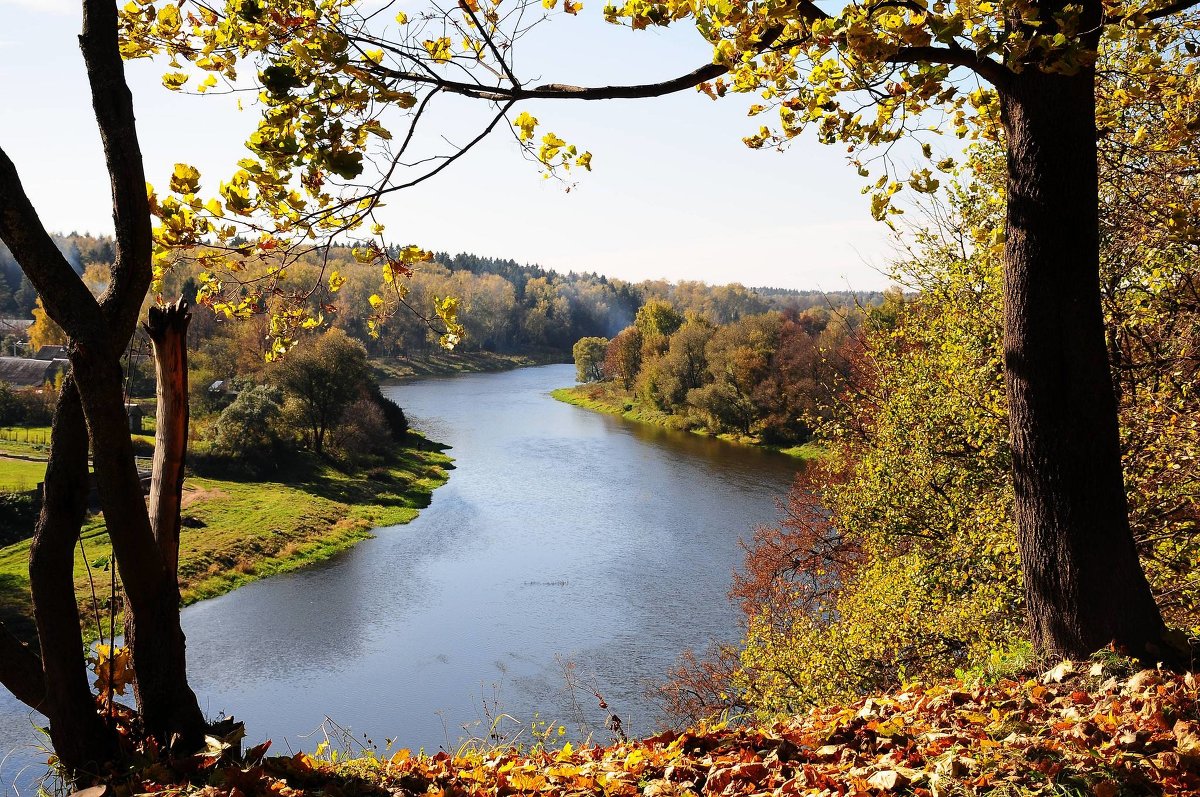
(12, 410)
(393, 415)
(249, 432)
(28, 407)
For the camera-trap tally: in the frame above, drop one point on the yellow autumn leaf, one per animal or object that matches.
(169, 19)
(438, 49)
(185, 179)
(526, 124)
(174, 80)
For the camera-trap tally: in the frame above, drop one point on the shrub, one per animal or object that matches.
(249, 432)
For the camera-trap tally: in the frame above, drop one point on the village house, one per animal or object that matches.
(30, 374)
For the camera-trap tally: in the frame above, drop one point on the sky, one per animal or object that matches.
(673, 194)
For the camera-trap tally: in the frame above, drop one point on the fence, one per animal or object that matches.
(36, 436)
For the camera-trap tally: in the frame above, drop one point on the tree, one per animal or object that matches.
(739, 358)
(1084, 586)
(589, 359)
(250, 427)
(918, 440)
(656, 318)
(685, 365)
(43, 331)
(91, 410)
(12, 412)
(6, 295)
(623, 358)
(323, 377)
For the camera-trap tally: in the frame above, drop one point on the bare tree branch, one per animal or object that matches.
(518, 92)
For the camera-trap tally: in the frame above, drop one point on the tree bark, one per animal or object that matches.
(167, 328)
(81, 740)
(1084, 585)
(167, 706)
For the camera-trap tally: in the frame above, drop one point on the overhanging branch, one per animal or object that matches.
(994, 72)
(563, 91)
(1172, 8)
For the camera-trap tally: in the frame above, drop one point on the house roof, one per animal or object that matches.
(24, 372)
(51, 353)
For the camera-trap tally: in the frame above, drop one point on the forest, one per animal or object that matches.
(983, 580)
(765, 377)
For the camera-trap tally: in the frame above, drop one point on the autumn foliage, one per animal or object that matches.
(896, 554)
(1087, 728)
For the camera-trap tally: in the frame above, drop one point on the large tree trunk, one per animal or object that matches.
(99, 332)
(1084, 585)
(167, 706)
(81, 740)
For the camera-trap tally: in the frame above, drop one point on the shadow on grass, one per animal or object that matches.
(403, 478)
(15, 608)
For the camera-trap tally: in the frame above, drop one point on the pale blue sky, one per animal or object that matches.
(674, 193)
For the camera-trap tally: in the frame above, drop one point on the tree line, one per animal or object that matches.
(765, 376)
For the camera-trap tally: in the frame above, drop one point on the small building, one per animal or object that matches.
(135, 415)
(218, 388)
(22, 372)
(51, 353)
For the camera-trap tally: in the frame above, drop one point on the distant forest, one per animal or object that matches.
(505, 306)
(17, 295)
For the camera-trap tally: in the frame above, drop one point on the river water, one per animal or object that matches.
(564, 539)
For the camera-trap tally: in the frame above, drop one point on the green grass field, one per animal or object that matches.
(19, 475)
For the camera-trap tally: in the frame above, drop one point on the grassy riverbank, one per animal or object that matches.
(236, 532)
(444, 363)
(609, 398)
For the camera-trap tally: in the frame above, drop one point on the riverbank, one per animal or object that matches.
(606, 397)
(446, 363)
(235, 532)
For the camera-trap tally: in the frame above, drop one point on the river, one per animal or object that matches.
(563, 538)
